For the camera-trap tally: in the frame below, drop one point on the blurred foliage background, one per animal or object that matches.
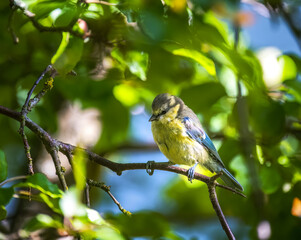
(126, 52)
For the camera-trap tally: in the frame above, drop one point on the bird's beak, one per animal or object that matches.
(152, 118)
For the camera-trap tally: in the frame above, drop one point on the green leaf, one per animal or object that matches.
(3, 166)
(79, 169)
(42, 221)
(267, 118)
(139, 224)
(43, 8)
(238, 165)
(229, 149)
(201, 97)
(293, 90)
(2, 213)
(126, 94)
(68, 53)
(289, 67)
(108, 233)
(289, 146)
(40, 182)
(197, 56)
(114, 130)
(270, 179)
(136, 61)
(297, 61)
(64, 16)
(93, 11)
(52, 203)
(5, 195)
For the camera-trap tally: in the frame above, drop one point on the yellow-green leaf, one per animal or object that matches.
(68, 53)
(197, 56)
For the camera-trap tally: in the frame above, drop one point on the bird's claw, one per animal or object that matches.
(149, 169)
(190, 174)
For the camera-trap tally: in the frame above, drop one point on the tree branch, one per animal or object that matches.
(31, 16)
(66, 148)
(214, 200)
(289, 21)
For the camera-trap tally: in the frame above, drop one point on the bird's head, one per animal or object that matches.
(166, 106)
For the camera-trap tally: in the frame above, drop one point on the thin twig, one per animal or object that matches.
(87, 195)
(106, 188)
(34, 101)
(60, 171)
(10, 25)
(12, 179)
(101, 2)
(24, 113)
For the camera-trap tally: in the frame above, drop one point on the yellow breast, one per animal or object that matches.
(175, 144)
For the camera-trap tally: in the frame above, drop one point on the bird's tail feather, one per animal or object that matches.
(230, 180)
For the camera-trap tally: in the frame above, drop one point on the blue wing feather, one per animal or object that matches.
(196, 133)
(199, 135)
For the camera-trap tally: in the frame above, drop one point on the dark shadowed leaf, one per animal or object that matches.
(201, 97)
(5, 195)
(3, 166)
(270, 179)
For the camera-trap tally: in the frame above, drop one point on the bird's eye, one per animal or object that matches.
(163, 112)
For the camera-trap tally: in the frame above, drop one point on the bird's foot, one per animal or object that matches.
(190, 173)
(169, 163)
(149, 168)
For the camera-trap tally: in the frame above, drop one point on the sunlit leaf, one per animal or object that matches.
(197, 56)
(42, 221)
(71, 204)
(40, 182)
(289, 145)
(79, 169)
(289, 68)
(94, 11)
(68, 53)
(135, 61)
(126, 94)
(63, 17)
(297, 61)
(52, 203)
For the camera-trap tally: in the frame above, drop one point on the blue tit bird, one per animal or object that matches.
(180, 137)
